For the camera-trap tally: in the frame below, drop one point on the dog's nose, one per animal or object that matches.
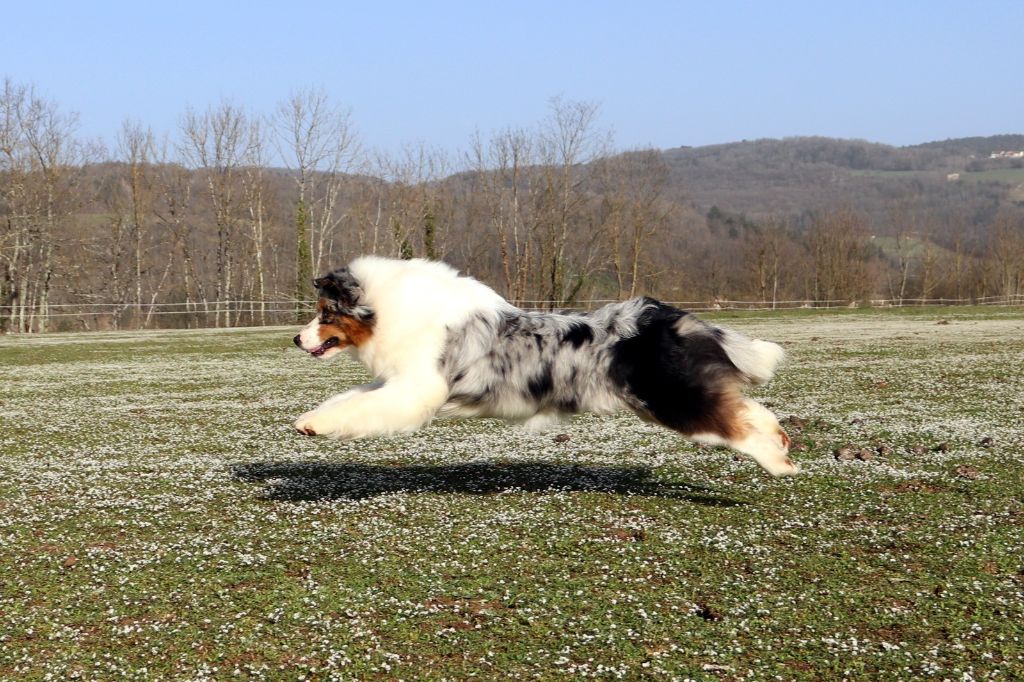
(297, 340)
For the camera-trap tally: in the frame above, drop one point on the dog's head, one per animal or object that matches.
(343, 318)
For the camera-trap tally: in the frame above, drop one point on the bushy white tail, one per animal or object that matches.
(756, 359)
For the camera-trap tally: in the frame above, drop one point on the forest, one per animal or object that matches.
(225, 221)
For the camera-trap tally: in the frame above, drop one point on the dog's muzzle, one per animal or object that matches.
(322, 348)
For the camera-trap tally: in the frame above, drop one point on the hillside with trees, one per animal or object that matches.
(224, 221)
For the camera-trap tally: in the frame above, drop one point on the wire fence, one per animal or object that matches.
(191, 314)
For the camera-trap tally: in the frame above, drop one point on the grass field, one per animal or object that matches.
(160, 520)
(1008, 176)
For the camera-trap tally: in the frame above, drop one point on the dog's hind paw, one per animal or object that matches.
(783, 467)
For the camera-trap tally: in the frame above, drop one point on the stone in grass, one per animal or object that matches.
(708, 612)
(987, 442)
(967, 471)
(942, 447)
(561, 438)
(865, 455)
(844, 454)
(795, 423)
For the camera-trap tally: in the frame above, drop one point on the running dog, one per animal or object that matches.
(440, 344)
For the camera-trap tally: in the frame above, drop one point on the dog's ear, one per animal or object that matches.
(339, 285)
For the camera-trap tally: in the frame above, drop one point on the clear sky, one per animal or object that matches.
(665, 73)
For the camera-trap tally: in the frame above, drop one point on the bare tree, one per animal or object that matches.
(367, 210)
(837, 245)
(568, 140)
(503, 180)
(318, 142)
(215, 143)
(136, 147)
(631, 186)
(15, 170)
(112, 247)
(905, 228)
(171, 210)
(254, 185)
(930, 261)
(41, 160)
(1007, 253)
(957, 224)
(764, 254)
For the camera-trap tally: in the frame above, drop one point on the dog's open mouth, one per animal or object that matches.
(325, 346)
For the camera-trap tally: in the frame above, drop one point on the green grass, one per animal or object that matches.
(1009, 176)
(904, 174)
(159, 519)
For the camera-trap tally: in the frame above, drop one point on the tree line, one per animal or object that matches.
(225, 221)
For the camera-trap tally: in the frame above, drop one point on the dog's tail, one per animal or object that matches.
(755, 359)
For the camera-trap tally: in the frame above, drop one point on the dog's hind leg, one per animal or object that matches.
(684, 374)
(542, 421)
(761, 438)
(747, 427)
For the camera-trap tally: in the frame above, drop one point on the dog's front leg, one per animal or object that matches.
(400, 405)
(334, 400)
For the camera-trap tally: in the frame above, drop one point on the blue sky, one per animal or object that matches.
(665, 73)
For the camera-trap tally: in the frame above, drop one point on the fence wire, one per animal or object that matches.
(247, 312)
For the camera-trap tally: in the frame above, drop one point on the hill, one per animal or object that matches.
(790, 177)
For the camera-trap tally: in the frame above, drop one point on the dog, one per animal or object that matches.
(441, 344)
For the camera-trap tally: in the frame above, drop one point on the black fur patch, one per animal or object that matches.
(541, 384)
(578, 334)
(344, 291)
(569, 406)
(625, 354)
(677, 378)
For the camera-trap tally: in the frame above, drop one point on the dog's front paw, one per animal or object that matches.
(310, 425)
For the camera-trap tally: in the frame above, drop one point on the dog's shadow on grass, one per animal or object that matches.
(299, 481)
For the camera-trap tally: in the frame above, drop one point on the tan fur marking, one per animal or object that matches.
(357, 332)
(348, 330)
(725, 419)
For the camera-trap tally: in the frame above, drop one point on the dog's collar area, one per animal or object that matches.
(325, 346)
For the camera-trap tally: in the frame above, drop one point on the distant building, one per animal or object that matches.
(1007, 155)
(952, 177)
